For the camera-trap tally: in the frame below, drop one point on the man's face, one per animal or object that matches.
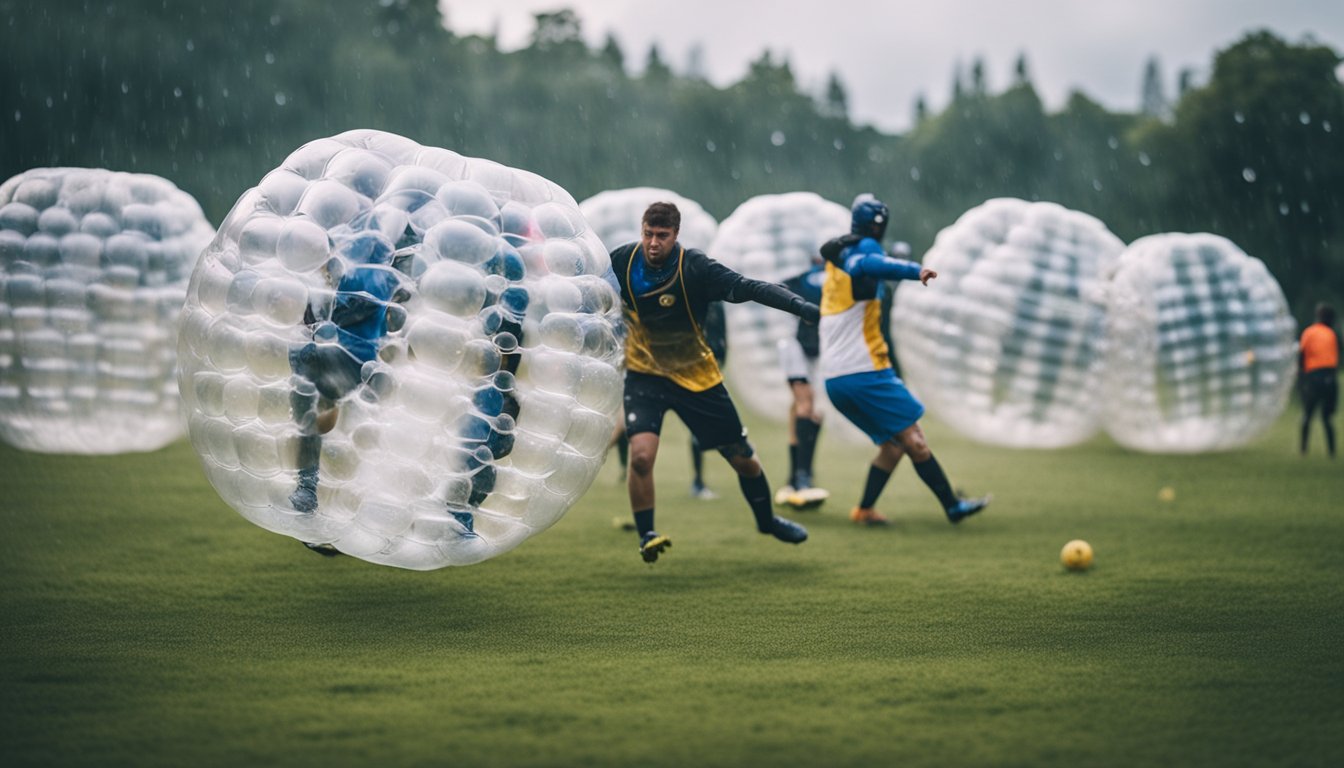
(658, 242)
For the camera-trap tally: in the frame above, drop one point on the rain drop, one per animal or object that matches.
(191, 46)
(838, 144)
(17, 115)
(1283, 209)
(177, 92)
(1096, 184)
(1305, 207)
(914, 172)
(1325, 124)
(1248, 174)
(777, 138)
(1145, 160)
(1240, 118)
(1304, 118)
(1113, 142)
(270, 57)
(125, 88)
(711, 146)
(280, 98)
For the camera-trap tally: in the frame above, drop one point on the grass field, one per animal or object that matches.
(144, 623)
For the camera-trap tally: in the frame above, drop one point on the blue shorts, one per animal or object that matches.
(876, 401)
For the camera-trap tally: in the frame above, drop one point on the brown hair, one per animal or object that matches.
(662, 215)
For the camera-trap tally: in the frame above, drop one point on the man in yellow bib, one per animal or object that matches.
(665, 290)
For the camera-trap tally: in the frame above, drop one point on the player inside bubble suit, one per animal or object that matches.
(856, 365)
(368, 278)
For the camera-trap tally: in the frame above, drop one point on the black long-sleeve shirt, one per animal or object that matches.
(666, 318)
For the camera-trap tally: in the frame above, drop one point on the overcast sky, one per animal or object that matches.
(887, 52)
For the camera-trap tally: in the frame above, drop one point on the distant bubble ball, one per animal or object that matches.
(1007, 344)
(93, 270)
(771, 238)
(616, 215)
(402, 352)
(1202, 351)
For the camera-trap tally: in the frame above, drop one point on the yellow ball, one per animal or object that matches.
(1076, 555)
(1167, 494)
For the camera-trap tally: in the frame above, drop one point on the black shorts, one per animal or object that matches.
(710, 415)
(1320, 389)
(332, 369)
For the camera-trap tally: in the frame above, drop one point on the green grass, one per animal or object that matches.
(144, 623)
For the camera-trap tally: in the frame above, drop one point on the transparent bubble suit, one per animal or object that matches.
(615, 215)
(773, 238)
(1007, 344)
(1202, 353)
(449, 315)
(93, 269)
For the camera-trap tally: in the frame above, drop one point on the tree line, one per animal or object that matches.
(212, 96)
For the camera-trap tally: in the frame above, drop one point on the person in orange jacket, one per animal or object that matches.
(1319, 365)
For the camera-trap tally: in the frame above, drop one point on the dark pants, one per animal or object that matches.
(1320, 389)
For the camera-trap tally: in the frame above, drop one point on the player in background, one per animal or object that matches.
(798, 358)
(1318, 359)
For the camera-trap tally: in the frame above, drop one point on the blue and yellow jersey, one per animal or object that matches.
(851, 308)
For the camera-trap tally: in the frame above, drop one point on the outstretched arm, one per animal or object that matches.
(774, 296)
(726, 285)
(869, 261)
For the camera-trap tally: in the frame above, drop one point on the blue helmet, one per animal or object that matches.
(868, 216)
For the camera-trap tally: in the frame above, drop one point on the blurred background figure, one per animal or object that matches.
(1319, 360)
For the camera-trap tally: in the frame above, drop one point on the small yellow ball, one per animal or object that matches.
(1167, 494)
(1076, 555)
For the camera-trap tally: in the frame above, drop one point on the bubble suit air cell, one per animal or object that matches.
(771, 238)
(93, 269)
(405, 353)
(1006, 345)
(616, 216)
(1201, 350)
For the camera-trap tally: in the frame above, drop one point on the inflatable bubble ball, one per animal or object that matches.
(403, 353)
(772, 238)
(93, 270)
(1007, 344)
(1202, 349)
(615, 216)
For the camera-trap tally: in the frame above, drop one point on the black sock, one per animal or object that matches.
(877, 480)
(644, 521)
(756, 490)
(1330, 438)
(697, 461)
(623, 450)
(310, 454)
(793, 463)
(807, 431)
(1306, 433)
(933, 476)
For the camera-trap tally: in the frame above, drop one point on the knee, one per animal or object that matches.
(641, 463)
(918, 449)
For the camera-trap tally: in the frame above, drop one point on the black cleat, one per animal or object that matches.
(652, 544)
(964, 508)
(787, 531)
(325, 550)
